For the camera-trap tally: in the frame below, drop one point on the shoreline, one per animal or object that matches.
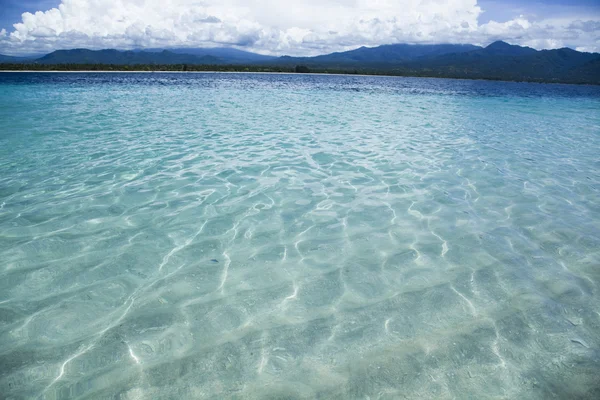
(289, 73)
(188, 72)
(218, 72)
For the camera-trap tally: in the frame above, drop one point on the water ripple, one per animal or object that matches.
(252, 236)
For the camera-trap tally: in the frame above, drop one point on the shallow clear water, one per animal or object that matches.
(167, 236)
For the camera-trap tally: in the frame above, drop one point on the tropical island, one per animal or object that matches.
(498, 61)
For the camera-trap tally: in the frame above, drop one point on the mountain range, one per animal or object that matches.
(499, 60)
(10, 59)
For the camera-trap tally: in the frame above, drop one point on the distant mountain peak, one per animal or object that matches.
(567, 50)
(499, 44)
(506, 49)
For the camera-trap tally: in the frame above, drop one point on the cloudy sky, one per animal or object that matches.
(295, 27)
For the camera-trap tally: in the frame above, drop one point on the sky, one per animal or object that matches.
(293, 27)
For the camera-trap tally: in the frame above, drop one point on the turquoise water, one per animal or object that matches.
(168, 236)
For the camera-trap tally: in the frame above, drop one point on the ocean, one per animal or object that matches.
(289, 236)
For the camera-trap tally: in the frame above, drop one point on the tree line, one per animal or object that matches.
(422, 71)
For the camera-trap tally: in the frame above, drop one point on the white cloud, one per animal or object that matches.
(300, 27)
